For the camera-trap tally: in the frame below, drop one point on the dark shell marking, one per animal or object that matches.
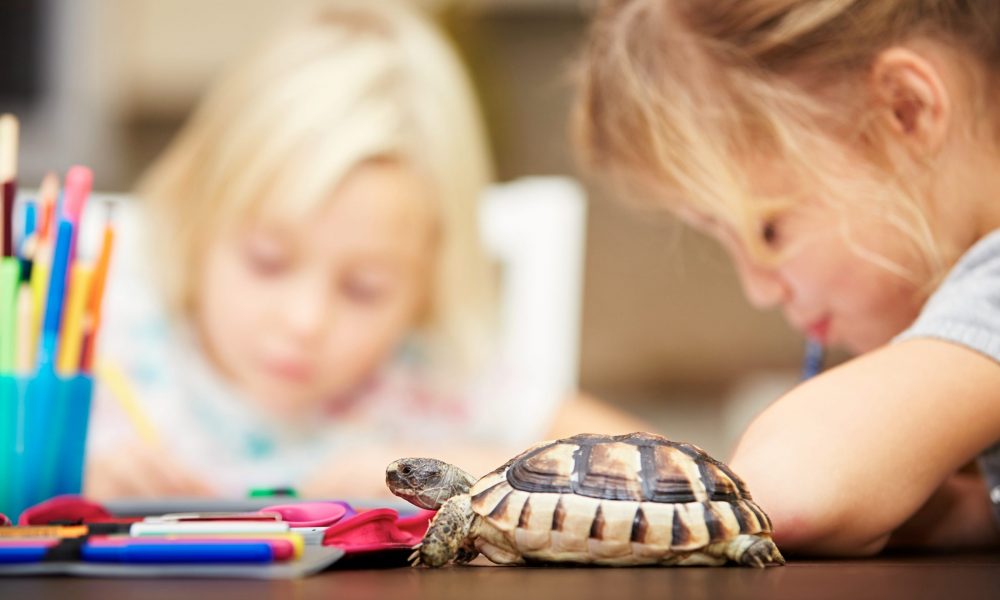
(605, 468)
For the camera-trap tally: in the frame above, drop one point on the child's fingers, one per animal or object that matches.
(121, 475)
(169, 477)
(178, 481)
(144, 472)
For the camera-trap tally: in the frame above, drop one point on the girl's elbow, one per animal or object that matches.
(808, 513)
(808, 530)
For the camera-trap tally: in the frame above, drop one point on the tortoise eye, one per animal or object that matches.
(406, 470)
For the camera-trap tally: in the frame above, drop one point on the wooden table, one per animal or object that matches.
(952, 577)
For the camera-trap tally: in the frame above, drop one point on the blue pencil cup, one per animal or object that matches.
(43, 437)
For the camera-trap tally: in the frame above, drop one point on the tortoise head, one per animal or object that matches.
(426, 482)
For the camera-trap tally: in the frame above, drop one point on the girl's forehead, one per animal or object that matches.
(384, 211)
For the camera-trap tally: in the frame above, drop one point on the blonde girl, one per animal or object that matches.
(318, 301)
(845, 152)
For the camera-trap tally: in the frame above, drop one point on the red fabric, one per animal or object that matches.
(378, 529)
(65, 509)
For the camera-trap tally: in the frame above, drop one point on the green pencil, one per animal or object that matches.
(10, 272)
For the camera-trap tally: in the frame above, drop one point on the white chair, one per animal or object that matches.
(536, 228)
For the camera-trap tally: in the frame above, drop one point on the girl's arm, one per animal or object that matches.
(845, 459)
(958, 514)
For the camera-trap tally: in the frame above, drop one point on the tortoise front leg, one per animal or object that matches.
(466, 552)
(447, 533)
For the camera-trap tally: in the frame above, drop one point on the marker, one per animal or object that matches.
(278, 492)
(23, 553)
(812, 362)
(179, 552)
(79, 181)
(284, 545)
(45, 531)
(208, 528)
(159, 551)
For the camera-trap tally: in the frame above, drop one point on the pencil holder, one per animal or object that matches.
(43, 436)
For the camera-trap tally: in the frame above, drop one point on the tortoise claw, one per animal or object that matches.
(761, 553)
(414, 558)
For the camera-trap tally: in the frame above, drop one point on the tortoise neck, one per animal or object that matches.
(459, 481)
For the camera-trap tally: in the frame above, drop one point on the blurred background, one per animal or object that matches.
(665, 330)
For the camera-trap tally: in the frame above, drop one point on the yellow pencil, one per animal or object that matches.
(39, 289)
(71, 337)
(112, 377)
(24, 359)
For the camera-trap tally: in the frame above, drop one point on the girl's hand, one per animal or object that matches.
(141, 471)
(362, 475)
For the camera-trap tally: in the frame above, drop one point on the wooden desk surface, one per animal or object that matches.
(911, 577)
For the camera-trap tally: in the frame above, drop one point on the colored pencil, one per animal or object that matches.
(71, 332)
(55, 297)
(112, 377)
(48, 195)
(92, 315)
(8, 177)
(10, 269)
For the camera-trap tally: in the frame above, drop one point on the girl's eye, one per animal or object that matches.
(361, 291)
(266, 259)
(769, 232)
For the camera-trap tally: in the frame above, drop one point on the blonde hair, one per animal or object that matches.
(680, 98)
(345, 84)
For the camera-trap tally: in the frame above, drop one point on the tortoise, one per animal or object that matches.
(635, 499)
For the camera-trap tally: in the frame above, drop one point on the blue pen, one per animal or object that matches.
(23, 554)
(30, 224)
(812, 362)
(179, 552)
(56, 293)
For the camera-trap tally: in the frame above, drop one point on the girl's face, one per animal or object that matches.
(827, 279)
(298, 317)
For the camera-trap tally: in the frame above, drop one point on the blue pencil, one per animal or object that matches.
(56, 293)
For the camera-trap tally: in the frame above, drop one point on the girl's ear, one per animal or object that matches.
(911, 98)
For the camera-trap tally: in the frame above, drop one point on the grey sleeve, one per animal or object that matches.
(966, 307)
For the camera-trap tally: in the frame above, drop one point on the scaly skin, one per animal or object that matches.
(447, 534)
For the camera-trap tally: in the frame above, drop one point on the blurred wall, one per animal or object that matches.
(664, 322)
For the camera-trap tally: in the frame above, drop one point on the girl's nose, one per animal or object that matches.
(305, 312)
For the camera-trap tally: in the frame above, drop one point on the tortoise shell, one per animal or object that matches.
(625, 496)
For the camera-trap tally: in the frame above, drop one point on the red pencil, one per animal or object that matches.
(8, 176)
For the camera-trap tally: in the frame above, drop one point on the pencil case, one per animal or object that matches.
(43, 436)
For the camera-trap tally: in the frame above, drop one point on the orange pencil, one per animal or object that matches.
(92, 312)
(48, 192)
